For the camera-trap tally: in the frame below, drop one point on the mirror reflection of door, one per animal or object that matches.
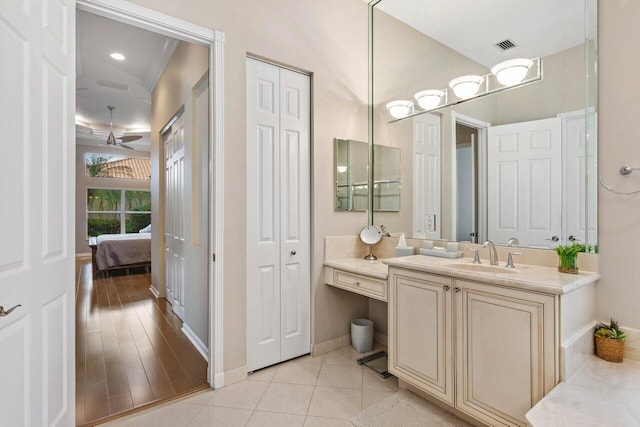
(467, 184)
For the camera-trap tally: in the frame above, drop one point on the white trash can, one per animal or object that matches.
(362, 335)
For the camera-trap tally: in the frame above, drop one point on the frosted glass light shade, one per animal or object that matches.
(399, 109)
(429, 99)
(465, 86)
(512, 71)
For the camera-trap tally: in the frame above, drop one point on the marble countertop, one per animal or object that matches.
(372, 268)
(599, 394)
(528, 277)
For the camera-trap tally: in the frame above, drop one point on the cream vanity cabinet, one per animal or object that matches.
(487, 350)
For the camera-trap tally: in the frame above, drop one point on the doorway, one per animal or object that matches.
(469, 178)
(193, 326)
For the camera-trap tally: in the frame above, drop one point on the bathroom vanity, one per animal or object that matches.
(484, 339)
(487, 340)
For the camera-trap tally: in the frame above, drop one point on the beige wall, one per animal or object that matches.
(619, 216)
(83, 182)
(187, 66)
(328, 39)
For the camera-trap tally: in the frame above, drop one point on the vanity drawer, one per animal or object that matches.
(368, 286)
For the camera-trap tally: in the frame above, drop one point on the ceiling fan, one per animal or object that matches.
(111, 139)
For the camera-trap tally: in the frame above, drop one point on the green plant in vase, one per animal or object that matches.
(568, 257)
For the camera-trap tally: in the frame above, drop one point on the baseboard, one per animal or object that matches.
(154, 291)
(330, 345)
(576, 351)
(218, 380)
(83, 255)
(196, 341)
(235, 376)
(632, 344)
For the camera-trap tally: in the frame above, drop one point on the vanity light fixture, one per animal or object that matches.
(429, 99)
(465, 87)
(512, 71)
(506, 75)
(400, 108)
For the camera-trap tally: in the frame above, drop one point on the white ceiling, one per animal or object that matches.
(473, 27)
(146, 55)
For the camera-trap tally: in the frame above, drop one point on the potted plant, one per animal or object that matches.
(610, 342)
(568, 257)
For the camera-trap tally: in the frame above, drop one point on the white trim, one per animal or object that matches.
(154, 291)
(148, 19)
(83, 254)
(216, 221)
(482, 147)
(196, 341)
(156, 68)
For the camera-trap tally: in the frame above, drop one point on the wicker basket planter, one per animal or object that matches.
(609, 349)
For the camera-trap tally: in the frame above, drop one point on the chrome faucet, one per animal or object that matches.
(493, 255)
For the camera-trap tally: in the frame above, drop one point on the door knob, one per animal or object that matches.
(572, 238)
(8, 312)
(293, 252)
(554, 238)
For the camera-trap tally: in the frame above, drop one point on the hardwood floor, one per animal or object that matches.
(129, 348)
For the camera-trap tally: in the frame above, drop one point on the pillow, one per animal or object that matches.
(147, 229)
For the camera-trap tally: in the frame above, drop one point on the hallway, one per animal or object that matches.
(129, 347)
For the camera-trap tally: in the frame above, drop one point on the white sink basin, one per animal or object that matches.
(483, 268)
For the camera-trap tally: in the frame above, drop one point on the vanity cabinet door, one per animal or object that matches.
(420, 331)
(505, 351)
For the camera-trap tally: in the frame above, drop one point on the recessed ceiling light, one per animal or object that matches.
(117, 56)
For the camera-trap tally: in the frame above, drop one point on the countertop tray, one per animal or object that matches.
(441, 254)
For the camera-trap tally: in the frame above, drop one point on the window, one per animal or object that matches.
(117, 211)
(108, 166)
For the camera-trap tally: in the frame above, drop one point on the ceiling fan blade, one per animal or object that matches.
(126, 146)
(129, 138)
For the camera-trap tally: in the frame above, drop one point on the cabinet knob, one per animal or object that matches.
(446, 287)
(293, 252)
(457, 289)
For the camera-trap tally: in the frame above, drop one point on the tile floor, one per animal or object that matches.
(319, 391)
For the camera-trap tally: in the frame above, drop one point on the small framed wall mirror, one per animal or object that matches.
(352, 176)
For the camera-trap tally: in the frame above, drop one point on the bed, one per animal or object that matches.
(119, 251)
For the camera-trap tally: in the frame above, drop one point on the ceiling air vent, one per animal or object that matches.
(113, 85)
(505, 44)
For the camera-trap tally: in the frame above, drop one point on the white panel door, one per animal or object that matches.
(278, 201)
(574, 165)
(295, 215)
(426, 176)
(263, 216)
(525, 182)
(37, 187)
(175, 217)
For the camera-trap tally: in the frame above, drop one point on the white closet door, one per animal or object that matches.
(426, 176)
(295, 252)
(175, 216)
(263, 215)
(278, 229)
(525, 182)
(37, 189)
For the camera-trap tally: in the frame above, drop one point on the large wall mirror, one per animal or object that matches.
(519, 162)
